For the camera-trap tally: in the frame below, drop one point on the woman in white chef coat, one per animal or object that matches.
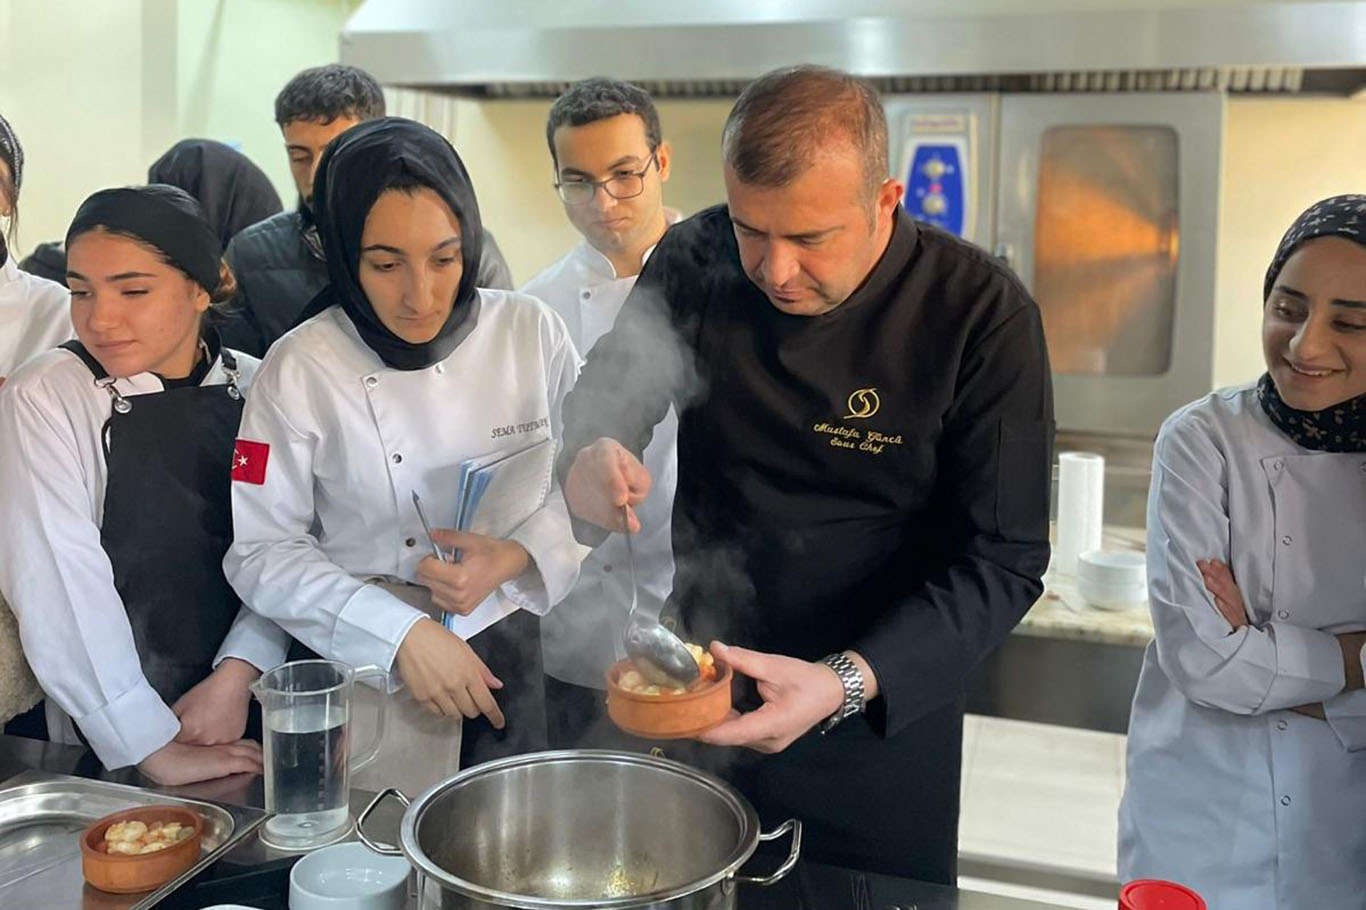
(33, 310)
(115, 514)
(1247, 742)
(407, 370)
(34, 316)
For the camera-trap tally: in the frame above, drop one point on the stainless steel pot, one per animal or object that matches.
(581, 829)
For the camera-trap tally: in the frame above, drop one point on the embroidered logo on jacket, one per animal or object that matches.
(863, 403)
(249, 461)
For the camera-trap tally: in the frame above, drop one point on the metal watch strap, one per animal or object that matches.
(852, 680)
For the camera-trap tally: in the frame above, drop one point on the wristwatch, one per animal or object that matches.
(852, 680)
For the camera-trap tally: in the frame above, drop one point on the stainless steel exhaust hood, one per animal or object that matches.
(712, 47)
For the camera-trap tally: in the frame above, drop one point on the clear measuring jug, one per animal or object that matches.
(306, 725)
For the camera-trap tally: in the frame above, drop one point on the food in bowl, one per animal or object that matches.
(633, 681)
(141, 849)
(667, 712)
(133, 838)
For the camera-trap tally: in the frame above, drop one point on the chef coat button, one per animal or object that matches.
(410, 542)
(1285, 800)
(371, 382)
(1278, 465)
(1283, 614)
(396, 458)
(586, 294)
(440, 369)
(1281, 725)
(1363, 467)
(607, 568)
(1286, 540)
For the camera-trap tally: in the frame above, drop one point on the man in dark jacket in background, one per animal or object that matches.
(279, 262)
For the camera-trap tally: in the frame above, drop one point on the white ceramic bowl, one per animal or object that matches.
(1113, 567)
(1112, 597)
(1112, 580)
(348, 877)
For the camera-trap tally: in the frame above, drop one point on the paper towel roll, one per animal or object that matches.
(1081, 501)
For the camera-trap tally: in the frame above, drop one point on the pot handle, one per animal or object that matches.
(795, 826)
(379, 847)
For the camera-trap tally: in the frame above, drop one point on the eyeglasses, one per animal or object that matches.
(622, 186)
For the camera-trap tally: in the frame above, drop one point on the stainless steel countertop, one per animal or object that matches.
(830, 886)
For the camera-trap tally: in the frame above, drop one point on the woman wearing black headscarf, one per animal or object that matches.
(406, 372)
(114, 462)
(233, 192)
(1247, 742)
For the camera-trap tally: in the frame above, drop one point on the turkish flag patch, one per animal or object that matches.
(249, 461)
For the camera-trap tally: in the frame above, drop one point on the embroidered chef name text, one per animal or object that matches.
(843, 437)
(516, 429)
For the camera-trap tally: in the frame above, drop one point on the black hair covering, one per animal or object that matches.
(166, 217)
(1340, 427)
(233, 191)
(1336, 216)
(355, 169)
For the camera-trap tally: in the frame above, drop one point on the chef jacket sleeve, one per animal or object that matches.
(1249, 671)
(638, 369)
(256, 640)
(1346, 716)
(60, 585)
(546, 534)
(275, 563)
(995, 459)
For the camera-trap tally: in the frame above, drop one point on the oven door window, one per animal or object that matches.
(1106, 243)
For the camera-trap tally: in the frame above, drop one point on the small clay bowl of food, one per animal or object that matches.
(140, 849)
(659, 712)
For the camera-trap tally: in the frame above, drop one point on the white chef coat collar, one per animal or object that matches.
(148, 383)
(601, 268)
(10, 270)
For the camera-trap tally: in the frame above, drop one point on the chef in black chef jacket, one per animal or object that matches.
(864, 448)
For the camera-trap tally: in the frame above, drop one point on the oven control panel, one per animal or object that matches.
(935, 154)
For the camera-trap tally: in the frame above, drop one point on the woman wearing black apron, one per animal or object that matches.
(115, 456)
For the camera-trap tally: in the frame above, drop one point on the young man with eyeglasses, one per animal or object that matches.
(610, 166)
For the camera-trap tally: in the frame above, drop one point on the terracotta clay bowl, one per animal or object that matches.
(120, 873)
(669, 715)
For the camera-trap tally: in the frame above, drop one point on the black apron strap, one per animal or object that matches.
(90, 362)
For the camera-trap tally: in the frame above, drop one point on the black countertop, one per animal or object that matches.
(254, 875)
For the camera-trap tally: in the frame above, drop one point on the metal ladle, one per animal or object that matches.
(658, 654)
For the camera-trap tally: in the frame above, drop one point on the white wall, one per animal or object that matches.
(75, 81)
(97, 89)
(1280, 156)
(234, 56)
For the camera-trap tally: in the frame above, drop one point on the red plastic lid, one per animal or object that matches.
(1155, 895)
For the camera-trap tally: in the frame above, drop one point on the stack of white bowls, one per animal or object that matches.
(1112, 580)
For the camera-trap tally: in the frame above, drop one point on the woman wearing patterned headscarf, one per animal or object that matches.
(1247, 741)
(33, 310)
